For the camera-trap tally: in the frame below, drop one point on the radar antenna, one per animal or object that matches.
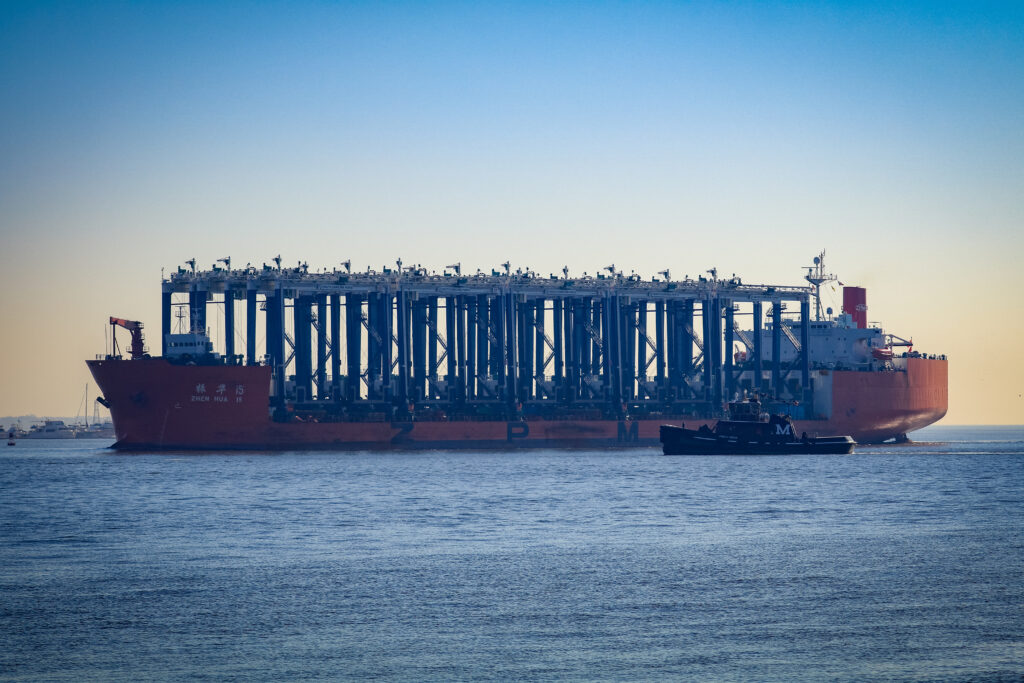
(817, 276)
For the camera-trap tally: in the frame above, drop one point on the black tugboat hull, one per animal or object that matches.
(681, 441)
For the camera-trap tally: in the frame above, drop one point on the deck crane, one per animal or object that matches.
(138, 348)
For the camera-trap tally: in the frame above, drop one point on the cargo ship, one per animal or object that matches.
(403, 358)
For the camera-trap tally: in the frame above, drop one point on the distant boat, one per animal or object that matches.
(97, 430)
(52, 429)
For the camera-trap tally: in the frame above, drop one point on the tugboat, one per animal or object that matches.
(748, 431)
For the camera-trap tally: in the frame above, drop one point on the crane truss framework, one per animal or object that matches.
(513, 339)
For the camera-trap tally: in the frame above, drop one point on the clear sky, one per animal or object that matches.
(747, 136)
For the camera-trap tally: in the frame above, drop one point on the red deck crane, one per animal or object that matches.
(138, 348)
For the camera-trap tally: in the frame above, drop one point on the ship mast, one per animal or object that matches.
(817, 276)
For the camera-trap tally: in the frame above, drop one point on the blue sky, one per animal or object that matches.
(746, 136)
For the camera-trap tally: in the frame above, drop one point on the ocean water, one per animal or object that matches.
(900, 562)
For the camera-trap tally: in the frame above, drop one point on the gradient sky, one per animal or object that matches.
(747, 136)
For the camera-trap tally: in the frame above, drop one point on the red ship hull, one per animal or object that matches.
(876, 406)
(158, 405)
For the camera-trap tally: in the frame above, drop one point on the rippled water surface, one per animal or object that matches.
(899, 562)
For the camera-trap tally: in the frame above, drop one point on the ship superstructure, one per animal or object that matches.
(407, 357)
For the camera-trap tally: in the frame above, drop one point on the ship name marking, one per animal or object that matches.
(220, 395)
